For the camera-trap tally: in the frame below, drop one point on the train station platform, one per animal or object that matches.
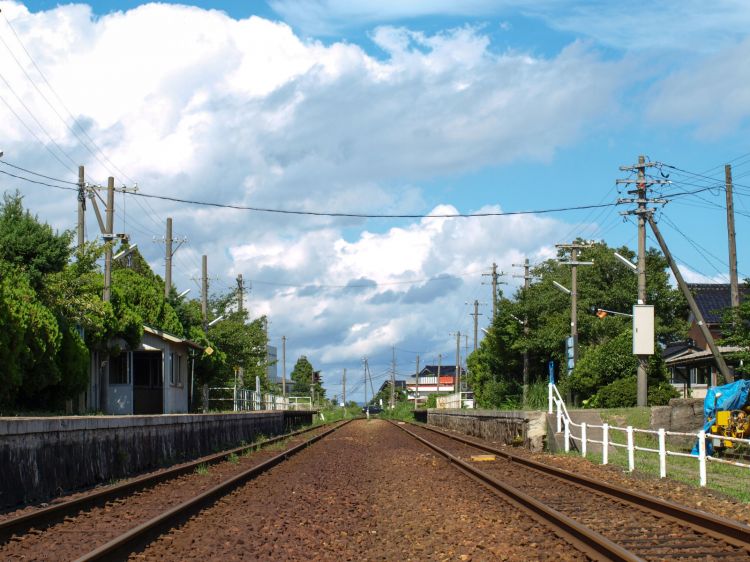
(41, 458)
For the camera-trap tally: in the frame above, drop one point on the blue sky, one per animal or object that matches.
(380, 107)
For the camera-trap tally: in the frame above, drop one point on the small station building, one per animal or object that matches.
(153, 378)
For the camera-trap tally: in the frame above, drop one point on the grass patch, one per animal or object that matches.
(233, 458)
(733, 481)
(403, 411)
(202, 469)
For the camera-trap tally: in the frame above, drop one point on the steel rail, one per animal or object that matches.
(727, 530)
(137, 538)
(47, 516)
(588, 541)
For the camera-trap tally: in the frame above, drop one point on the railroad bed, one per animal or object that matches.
(367, 490)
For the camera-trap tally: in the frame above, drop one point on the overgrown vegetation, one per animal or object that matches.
(52, 316)
(606, 364)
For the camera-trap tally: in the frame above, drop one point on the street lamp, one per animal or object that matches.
(629, 264)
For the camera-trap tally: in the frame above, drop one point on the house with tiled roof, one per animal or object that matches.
(691, 363)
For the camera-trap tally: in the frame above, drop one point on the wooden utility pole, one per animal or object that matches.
(720, 363)
(81, 209)
(168, 259)
(393, 378)
(240, 293)
(204, 292)
(734, 286)
(283, 370)
(110, 227)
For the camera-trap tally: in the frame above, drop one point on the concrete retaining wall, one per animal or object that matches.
(41, 458)
(506, 427)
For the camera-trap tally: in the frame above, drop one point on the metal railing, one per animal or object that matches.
(456, 400)
(556, 406)
(243, 400)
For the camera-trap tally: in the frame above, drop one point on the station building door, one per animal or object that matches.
(148, 382)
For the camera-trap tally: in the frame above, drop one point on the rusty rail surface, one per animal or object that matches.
(137, 538)
(587, 541)
(733, 534)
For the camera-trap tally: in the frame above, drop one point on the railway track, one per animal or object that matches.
(139, 509)
(603, 520)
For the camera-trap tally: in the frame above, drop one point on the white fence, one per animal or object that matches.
(556, 406)
(456, 400)
(243, 400)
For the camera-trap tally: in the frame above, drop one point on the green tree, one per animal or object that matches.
(28, 244)
(495, 371)
(302, 376)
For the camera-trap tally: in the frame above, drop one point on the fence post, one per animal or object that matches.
(702, 456)
(583, 439)
(559, 416)
(549, 400)
(631, 449)
(605, 443)
(662, 453)
(567, 435)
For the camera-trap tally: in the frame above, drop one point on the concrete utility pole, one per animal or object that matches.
(240, 292)
(641, 198)
(168, 259)
(416, 388)
(283, 370)
(440, 361)
(204, 292)
(110, 227)
(169, 252)
(458, 362)
(393, 379)
(720, 363)
(81, 209)
(526, 285)
(733, 282)
(574, 263)
(495, 276)
(476, 314)
(365, 361)
(343, 384)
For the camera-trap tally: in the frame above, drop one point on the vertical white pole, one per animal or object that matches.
(559, 416)
(549, 399)
(702, 456)
(605, 443)
(583, 439)
(631, 449)
(662, 453)
(567, 435)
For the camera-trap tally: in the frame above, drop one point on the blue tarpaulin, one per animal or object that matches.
(734, 396)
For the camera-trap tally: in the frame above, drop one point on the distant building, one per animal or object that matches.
(272, 372)
(430, 382)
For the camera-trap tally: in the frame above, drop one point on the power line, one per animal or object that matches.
(6, 163)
